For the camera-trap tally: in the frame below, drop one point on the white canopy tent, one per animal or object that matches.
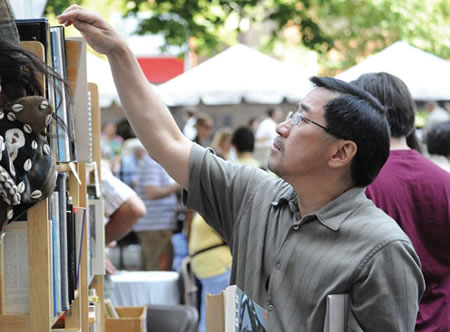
(237, 74)
(99, 72)
(426, 75)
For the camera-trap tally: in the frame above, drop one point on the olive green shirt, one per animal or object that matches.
(289, 264)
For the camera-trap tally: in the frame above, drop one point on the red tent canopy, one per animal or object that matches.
(161, 69)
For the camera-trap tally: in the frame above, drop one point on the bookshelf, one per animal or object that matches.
(40, 316)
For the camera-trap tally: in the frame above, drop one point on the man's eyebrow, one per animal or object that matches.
(304, 107)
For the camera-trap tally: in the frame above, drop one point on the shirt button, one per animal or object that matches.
(278, 266)
(270, 307)
(296, 227)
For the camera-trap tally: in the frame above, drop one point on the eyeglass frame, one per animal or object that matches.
(295, 118)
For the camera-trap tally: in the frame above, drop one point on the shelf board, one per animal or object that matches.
(15, 323)
(57, 317)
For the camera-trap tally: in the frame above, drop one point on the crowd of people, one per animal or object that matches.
(349, 201)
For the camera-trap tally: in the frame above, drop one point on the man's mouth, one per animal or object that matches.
(278, 144)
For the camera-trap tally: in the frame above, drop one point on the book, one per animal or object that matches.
(35, 29)
(71, 250)
(234, 311)
(15, 278)
(61, 105)
(62, 216)
(96, 236)
(336, 313)
(80, 222)
(77, 72)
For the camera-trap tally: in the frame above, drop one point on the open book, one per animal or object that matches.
(234, 311)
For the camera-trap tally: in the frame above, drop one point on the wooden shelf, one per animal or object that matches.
(40, 317)
(15, 323)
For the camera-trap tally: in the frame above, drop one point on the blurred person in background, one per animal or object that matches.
(189, 124)
(243, 141)
(221, 142)
(436, 114)
(203, 125)
(154, 231)
(438, 145)
(122, 209)
(133, 152)
(110, 142)
(266, 134)
(253, 124)
(416, 194)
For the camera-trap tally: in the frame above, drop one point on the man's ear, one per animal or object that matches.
(343, 154)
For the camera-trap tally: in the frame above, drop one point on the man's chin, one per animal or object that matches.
(272, 165)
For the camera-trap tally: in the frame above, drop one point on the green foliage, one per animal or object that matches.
(205, 20)
(56, 7)
(350, 29)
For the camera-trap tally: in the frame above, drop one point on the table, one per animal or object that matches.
(141, 288)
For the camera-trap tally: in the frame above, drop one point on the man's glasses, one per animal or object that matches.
(295, 118)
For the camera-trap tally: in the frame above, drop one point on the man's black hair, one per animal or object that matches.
(357, 116)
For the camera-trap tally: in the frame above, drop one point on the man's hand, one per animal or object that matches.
(109, 266)
(98, 33)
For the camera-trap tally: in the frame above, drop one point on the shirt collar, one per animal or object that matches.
(331, 215)
(338, 210)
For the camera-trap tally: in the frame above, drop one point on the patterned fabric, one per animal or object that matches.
(161, 213)
(114, 191)
(8, 29)
(27, 167)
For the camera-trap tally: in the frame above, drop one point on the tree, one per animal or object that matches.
(342, 31)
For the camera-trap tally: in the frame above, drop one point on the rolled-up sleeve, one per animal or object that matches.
(387, 291)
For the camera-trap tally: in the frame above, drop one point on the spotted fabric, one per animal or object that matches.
(27, 167)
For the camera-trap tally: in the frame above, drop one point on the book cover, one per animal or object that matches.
(337, 313)
(80, 222)
(15, 268)
(61, 104)
(247, 315)
(77, 71)
(96, 236)
(71, 250)
(61, 212)
(35, 29)
(234, 311)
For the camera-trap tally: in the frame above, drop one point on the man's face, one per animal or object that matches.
(303, 149)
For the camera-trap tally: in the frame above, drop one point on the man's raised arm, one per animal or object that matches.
(149, 117)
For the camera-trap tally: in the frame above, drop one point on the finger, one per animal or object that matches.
(79, 14)
(66, 11)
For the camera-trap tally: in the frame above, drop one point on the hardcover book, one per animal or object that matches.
(234, 311)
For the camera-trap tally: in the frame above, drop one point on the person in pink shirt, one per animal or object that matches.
(416, 193)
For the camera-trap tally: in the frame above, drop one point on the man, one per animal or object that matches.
(122, 209)
(154, 231)
(297, 239)
(266, 134)
(415, 193)
(203, 127)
